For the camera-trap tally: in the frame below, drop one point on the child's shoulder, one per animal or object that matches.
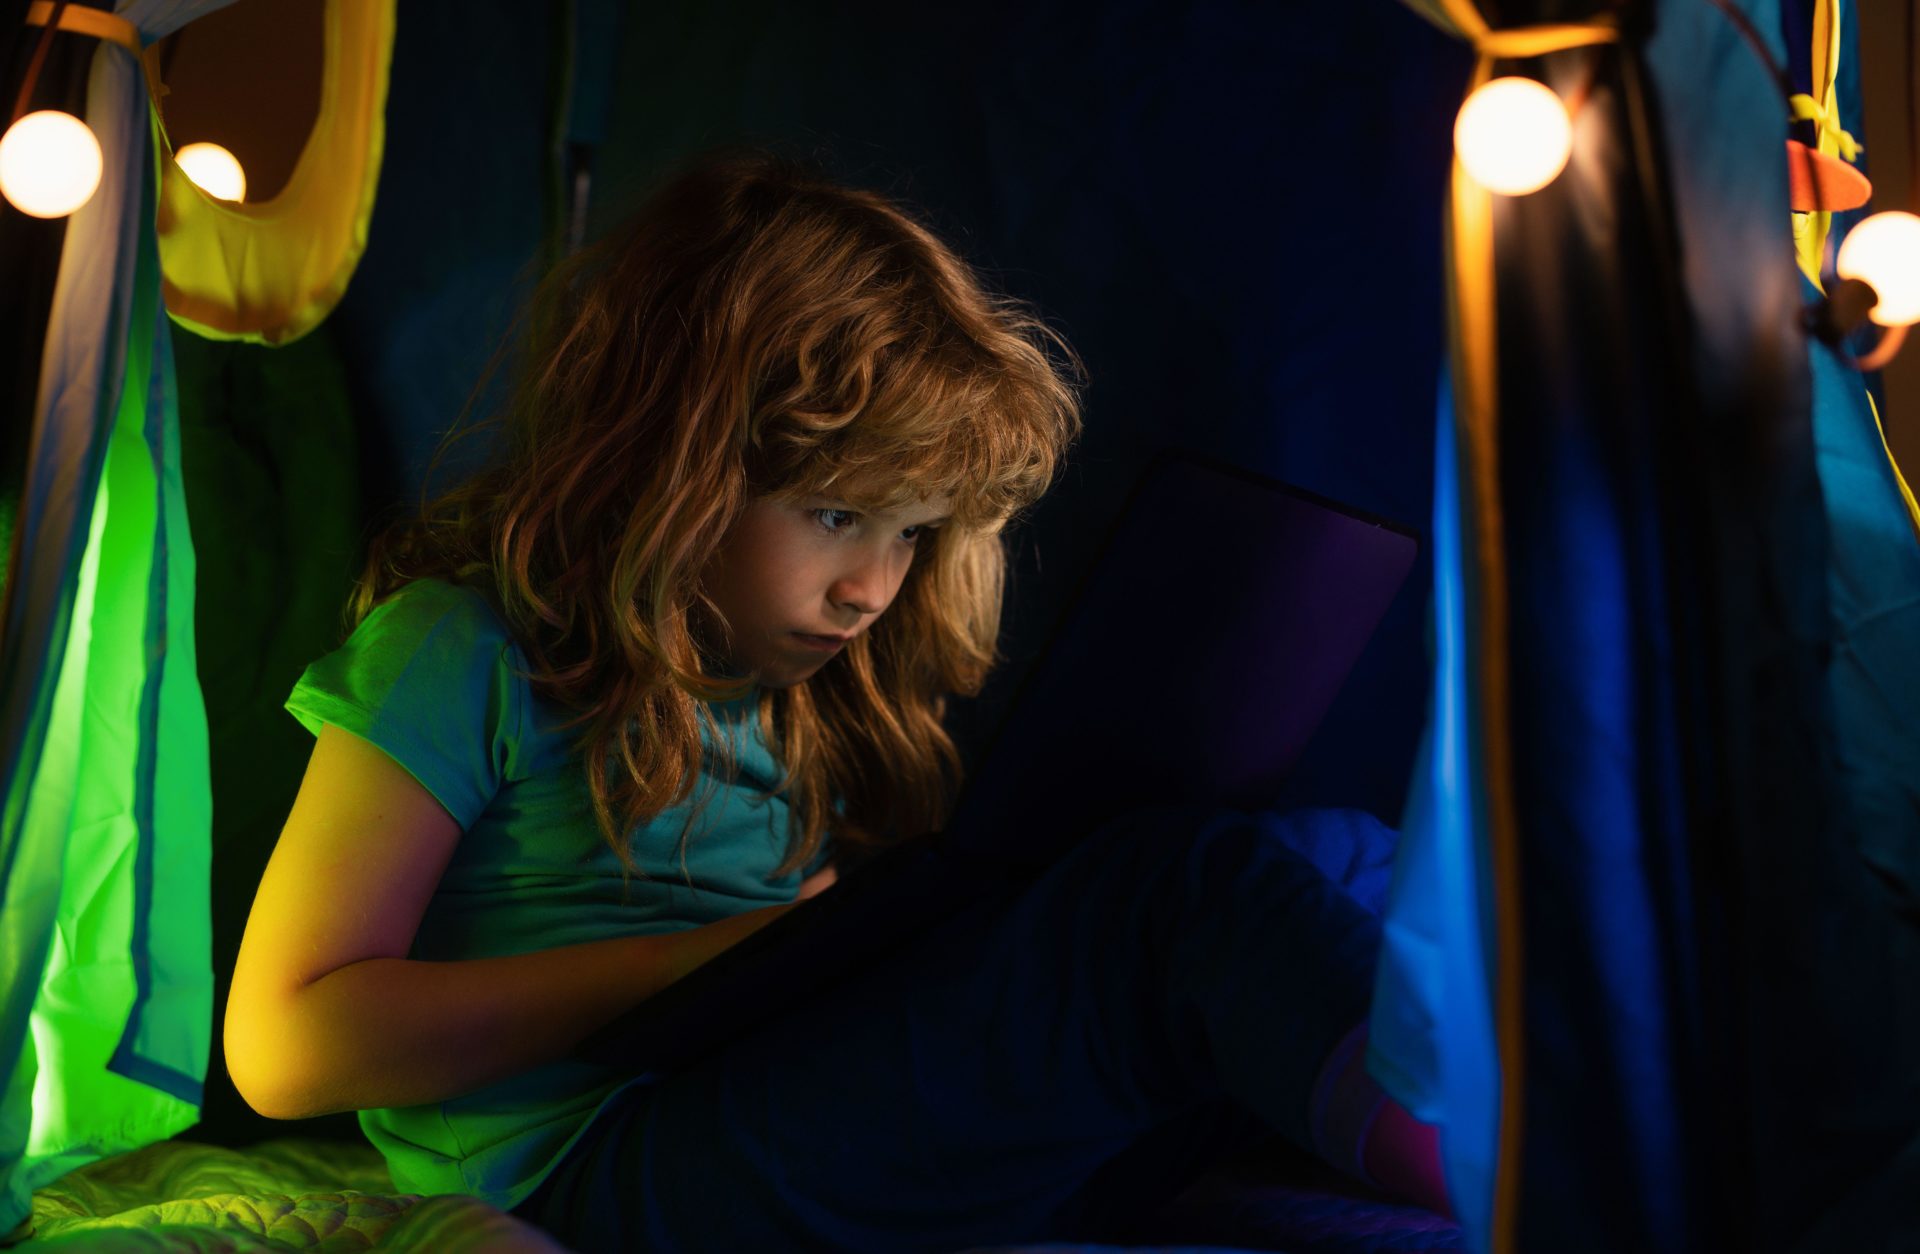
(437, 625)
(434, 605)
(428, 676)
(426, 647)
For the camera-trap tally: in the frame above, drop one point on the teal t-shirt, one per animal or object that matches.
(431, 677)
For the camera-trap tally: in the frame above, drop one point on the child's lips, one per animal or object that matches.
(826, 644)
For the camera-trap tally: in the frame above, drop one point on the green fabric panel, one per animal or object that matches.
(165, 1043)
(38, 815)
(114, 825)
(104, 983)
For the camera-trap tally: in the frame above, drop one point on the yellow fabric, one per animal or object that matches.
(85, 21)
(1538, 41)
(1822, 107)
(270, 272)
(1823, 57)
(1906, 493)
(1476, 406)
(1806, 248)
(1470, 234)
(1470, 237)
(1520, 41)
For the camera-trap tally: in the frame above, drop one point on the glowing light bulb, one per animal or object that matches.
(213, 170)
(1883, 251)
(1513, 135)
(49, 164)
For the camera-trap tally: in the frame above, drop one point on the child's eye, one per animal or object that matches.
(839, 521)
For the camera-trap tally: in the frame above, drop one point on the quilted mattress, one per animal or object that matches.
(182, 1197)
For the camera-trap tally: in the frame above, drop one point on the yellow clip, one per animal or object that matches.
(1806, 109)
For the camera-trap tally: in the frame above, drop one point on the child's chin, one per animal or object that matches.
(791, 674)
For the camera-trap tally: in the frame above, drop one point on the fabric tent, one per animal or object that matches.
(106, 987)
(1682, 501)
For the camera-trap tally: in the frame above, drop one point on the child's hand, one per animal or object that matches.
(699, 945)
(819, 882)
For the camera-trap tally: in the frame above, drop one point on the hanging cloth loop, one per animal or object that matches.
(1537, 41)
(84, 21)
(1464, 19)
(107, 28)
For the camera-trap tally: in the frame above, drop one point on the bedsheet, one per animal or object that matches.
(181, 1197)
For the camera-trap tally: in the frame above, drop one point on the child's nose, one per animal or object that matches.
(865, 588)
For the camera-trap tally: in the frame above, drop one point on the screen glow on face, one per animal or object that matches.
(792, 577)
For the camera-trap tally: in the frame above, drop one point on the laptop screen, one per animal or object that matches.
(1204, 648)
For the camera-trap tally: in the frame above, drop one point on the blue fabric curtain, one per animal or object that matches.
(1432, 1040)
(1833, 957)
(1657, 523)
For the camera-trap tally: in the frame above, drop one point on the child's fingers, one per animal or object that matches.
(819, 882)
(699, 945)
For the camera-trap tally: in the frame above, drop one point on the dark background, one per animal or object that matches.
(1231, 209)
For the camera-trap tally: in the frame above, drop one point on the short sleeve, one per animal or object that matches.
(429, 677)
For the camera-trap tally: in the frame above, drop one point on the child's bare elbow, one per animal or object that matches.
(262, 1070)
(274, 1101)
(267, 1105)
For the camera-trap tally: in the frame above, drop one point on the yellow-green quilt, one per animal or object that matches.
(296, 1194)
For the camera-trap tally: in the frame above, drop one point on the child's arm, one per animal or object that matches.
(327, 1014)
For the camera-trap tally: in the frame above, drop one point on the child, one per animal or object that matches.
(648, 680)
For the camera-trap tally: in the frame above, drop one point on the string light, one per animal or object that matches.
(1883, 251)
(1513, 135)
(50, 164)
(50, 161)
(213, 170)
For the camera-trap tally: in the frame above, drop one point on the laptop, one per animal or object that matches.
(1195, 662)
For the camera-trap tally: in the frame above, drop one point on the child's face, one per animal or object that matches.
(796, 580)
